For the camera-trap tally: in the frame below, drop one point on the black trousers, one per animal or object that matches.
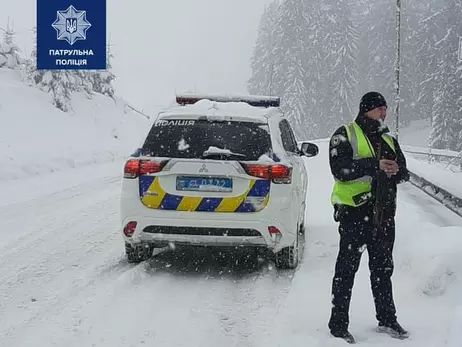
(353, 237)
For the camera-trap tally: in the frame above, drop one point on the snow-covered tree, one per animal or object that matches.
(377, 49)
(30, 63)
(447, 126)
(9, 51)
(317, 67)
(262, 63)
(291, 51)
(426, 56)
(295, 97)
(409, 74)
(59, 83)
(276, 62)
(455, 12)
(102, 79)
(341, 71)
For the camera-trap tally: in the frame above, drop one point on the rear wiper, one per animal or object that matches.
(222, 155)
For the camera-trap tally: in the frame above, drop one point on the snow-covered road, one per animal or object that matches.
(64, 280)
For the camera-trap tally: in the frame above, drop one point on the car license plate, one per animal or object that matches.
(204, 184)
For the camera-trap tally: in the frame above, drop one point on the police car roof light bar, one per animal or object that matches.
(252, 100)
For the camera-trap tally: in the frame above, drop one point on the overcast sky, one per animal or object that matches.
(169, 45)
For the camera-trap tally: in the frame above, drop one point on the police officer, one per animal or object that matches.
(367, 164)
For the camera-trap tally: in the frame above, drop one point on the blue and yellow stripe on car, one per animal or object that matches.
(254, 199)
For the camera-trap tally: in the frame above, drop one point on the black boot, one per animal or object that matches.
(395, 330)
(343, 334)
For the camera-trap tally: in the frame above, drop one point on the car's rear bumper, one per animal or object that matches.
(203, 232)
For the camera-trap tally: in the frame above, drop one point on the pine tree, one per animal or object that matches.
(455, 83)
(9, 51)
(342, 76)
(29, 68)
(102, 80)
(458, 114)
(409, 74)
(295, 101)
(262, 59)
(446, 117)
(378, 49)
(276, 64)
(83, 82)
(291, 72)
(316, 67)
(426, 56)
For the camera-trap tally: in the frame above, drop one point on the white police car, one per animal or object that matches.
(217, 171)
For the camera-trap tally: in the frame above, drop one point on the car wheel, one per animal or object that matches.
(289, 257)
(139, 253)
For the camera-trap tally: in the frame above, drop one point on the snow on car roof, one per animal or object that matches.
(254, 100)
(238, 111)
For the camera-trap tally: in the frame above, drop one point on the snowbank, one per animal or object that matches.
(36, 138)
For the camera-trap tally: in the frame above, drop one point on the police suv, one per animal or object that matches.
(217, 171)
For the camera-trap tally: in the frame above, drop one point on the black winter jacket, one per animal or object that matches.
(382, 205)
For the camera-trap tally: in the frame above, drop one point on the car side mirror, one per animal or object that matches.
(309, 149)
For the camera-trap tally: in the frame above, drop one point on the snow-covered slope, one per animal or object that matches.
(36, 138)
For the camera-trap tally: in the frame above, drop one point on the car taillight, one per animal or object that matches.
(131, 168)
(149, 166)
(278, 173)
(130, 228)
(135, 167)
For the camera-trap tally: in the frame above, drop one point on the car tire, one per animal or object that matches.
(139, 253)
(289, 257)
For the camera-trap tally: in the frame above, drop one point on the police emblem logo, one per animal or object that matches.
(71, 25)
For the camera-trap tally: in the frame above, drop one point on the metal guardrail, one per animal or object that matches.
(137, 111)
(446, 156)
(428, 150)
(447, 199)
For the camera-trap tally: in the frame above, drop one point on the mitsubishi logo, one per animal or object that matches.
(203, 168)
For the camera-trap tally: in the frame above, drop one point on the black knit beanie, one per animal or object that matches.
(371, 100)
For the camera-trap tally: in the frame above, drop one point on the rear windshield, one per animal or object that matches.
(202, 138)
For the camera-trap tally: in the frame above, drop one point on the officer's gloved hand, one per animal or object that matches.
(389, 166)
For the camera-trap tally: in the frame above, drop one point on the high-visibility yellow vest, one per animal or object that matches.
(357, 192)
